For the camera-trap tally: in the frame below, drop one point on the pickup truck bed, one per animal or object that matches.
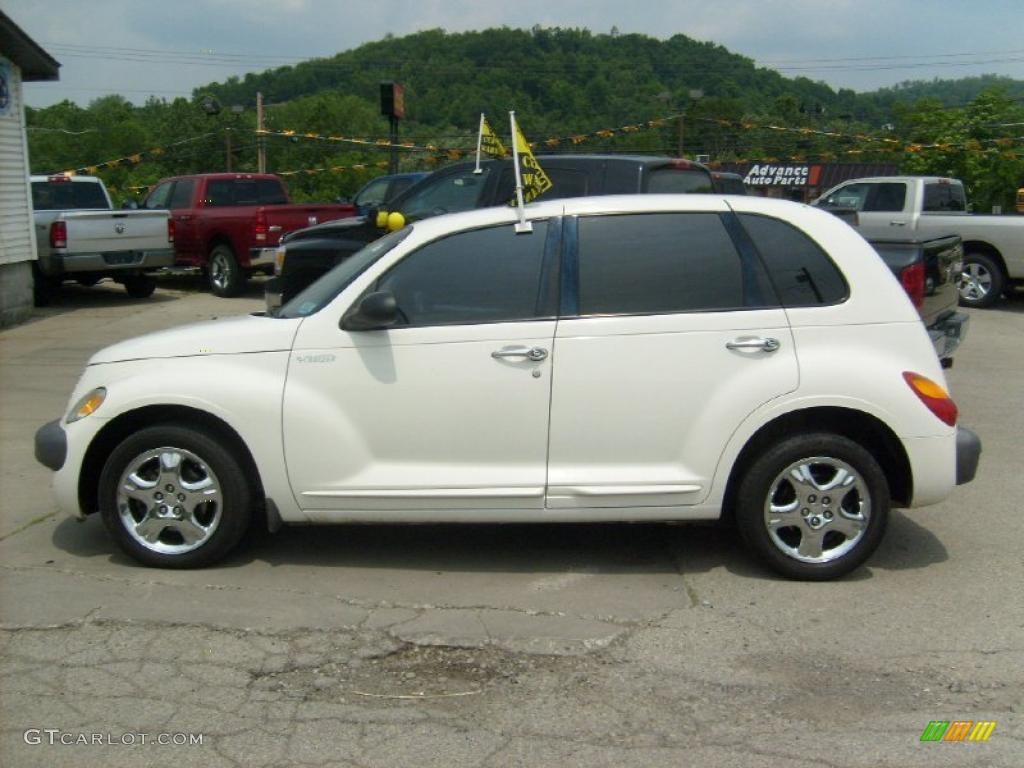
(929, 271)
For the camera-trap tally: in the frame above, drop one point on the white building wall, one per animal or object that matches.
(17, 233)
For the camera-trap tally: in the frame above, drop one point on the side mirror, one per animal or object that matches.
(130, 205)
(376, 311)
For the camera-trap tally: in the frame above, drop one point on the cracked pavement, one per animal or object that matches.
(492, 646)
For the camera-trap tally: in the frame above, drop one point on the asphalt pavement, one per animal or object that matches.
(589, 645)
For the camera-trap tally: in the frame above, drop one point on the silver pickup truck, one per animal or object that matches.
(80, 237)
(926, 207)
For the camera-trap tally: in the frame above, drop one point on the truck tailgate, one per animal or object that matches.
(115, 231)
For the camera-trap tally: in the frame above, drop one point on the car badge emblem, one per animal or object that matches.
(119, 228)
(311, 220)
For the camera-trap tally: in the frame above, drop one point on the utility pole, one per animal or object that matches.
(227, 148)
(261, 142)
(392, 106)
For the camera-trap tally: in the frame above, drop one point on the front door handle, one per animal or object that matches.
(767, 345)
(897, 223)
(534, 354)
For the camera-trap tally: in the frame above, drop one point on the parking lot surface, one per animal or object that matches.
(625, 645)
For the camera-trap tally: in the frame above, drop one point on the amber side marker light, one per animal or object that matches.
(934, 396)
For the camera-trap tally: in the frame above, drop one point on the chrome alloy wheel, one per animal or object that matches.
(169, 500)
(817, 509)
(219, 271)
(975, 281)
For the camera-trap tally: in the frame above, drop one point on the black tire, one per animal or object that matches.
(218, 525)
(140, 286)
(982, 281)
(43, 287)
(804, 514)
(225, 277)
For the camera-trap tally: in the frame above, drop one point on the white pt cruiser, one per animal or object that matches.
(645, 357)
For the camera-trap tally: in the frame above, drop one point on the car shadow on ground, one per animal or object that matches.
(193, 282)
(1013, 303)
(610, 548)
(71, 297)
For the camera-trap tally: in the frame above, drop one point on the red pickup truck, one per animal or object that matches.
(228, 224)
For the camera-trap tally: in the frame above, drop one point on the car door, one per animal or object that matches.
(671, 335)
(448, 409)
(186, 238)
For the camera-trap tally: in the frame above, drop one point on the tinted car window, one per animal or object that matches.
(159, 198)
(488, 275)
(671, 180)
(661, 263)
(565, 182)
(850, 196)
(373, 193)
(68, 196)
(181, 197)
(270, 192)
(220, 192)
(803, 274)
(889, 196)
(944, 198)
(448, 194)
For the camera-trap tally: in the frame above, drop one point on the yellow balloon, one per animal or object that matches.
(395, 221)
(382, 219)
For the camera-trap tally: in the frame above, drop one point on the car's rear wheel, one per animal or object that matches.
(175, 497)
(814, 506)
(225, 275)
(981, 281)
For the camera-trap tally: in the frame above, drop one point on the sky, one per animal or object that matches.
(138, 48)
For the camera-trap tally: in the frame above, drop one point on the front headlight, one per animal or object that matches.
(89, 404)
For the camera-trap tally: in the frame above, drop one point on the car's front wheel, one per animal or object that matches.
(814, 506)
(175, 497)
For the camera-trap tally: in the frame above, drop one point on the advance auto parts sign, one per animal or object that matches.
(798, 175)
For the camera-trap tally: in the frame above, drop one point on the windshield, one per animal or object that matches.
(448, 193)
(322, 292)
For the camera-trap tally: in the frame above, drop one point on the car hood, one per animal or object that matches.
(226, 336)
(316, 230)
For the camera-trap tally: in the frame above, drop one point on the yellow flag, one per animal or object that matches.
(489, 142)
(535, 181)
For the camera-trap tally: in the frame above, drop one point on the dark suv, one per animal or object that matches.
(309, 253)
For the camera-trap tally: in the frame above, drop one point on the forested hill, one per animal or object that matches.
(561, 78)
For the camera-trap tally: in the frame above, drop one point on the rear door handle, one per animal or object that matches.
(897, 223)
(534, 354)
(766, 345)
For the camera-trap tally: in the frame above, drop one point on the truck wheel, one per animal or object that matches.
(813, 507)
(981, 281)
(43, 287)
(175, 497)
(226, 277)
(139, 286)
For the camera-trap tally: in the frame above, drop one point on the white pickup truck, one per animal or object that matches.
(80, 237)
(924, 207)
